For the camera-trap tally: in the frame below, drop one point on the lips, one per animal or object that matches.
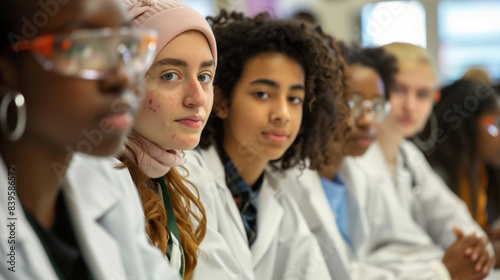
(117, 121)
(276, 136)
(405, 120)
(193, 121)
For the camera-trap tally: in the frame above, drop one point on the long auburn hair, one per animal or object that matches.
(183, 201)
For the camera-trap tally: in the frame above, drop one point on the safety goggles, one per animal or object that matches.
(377, 106)
(490, 123)
(92, 53)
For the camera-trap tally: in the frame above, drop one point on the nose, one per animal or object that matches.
(366, 118)
(195, 95)
(118, 78)
(280, 112)
(410, 101)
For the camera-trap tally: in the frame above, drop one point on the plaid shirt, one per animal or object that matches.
(244, 197)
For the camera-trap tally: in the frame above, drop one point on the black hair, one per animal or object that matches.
(457, 151)
(241, 38)
(384, 63)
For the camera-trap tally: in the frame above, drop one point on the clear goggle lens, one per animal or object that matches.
(91, 54)
(491, 124)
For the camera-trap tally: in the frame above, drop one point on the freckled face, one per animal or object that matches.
(179, 93)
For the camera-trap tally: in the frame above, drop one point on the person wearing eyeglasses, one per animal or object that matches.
(357, 226)
(68, 96)
(467, 152)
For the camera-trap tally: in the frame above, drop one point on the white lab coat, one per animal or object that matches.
(284, 248)
(105, 209)
(431, 204)
(370, 216)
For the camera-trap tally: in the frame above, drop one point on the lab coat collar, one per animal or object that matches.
(216, 167)
(269, 216)
(89, 197)
(315, 207)
(357, 228)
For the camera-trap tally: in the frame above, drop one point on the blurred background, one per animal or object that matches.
(460, 34)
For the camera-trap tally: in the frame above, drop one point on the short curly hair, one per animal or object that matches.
(241, 38)
(384, 63)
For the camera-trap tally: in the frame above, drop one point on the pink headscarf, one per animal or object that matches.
(153, 160)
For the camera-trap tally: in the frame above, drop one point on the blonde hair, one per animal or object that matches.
(477, 75)
(409, 56)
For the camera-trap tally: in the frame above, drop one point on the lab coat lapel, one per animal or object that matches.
(88, 200)
(316, 210)
(216, 167)
(357, 227)
(269, 215)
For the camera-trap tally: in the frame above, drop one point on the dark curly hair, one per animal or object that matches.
(378, 59)
(241, 38)
(457, 152)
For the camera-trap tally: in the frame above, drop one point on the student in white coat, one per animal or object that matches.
(403, 169)
(178, 101)
(348, 213)
(271, 90)
(65, 216)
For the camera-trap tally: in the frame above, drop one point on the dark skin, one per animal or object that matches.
(467, 258)
(61, 108)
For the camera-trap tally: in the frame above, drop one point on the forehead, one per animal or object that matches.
(274, 66)
(365, 81)
(39, 17)
(416, 74)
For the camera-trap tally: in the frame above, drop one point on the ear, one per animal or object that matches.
(437, 96)
(7, 74)
(221, 104)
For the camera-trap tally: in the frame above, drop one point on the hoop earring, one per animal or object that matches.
(18, 99)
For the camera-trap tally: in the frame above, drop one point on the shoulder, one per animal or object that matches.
(413, 155)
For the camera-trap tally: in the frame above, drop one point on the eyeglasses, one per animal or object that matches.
(490, 123)
(92, 53)
(378, 106)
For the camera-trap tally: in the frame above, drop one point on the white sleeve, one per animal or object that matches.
(396, 242)
(439, 209)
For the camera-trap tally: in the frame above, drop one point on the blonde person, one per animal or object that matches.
(404, 172)
(68, 88)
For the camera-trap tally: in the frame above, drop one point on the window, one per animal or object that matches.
(469, 36)
(393, 21)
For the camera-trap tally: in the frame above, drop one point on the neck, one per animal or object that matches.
(249, 166)
(389, 142)
(38, 173)
(329, 171)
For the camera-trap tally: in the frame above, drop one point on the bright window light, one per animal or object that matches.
(393, 21)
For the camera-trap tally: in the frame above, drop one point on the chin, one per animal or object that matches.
(187, 144)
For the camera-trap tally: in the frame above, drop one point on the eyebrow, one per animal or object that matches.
(275, 85)
(182, 63)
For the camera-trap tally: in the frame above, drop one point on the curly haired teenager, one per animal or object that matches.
(277, 84)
